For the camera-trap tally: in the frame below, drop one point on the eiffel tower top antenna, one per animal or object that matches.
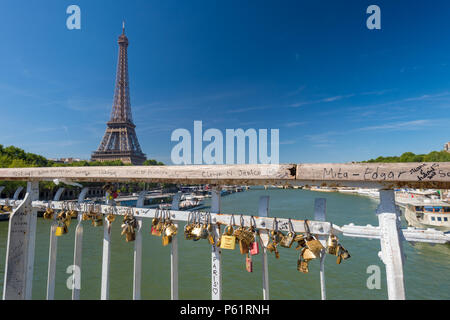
(123, 26)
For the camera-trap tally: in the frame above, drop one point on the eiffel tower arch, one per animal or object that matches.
(120, 141)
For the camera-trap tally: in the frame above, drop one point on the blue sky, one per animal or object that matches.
(336, 90)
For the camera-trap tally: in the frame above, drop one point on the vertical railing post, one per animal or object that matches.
(20, 247)
(391, 244)
(106, 258)
(216, 264)
(263, 211)
(52, 252)
(137, 272)
(174, 254)
(320, 209)
(76, 286)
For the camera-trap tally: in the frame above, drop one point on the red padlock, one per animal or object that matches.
(248, 263)
(254, 248)
(115, 195)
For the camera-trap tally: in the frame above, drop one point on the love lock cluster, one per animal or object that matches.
(310, 247)
(129, 226)
(94, 214)
(245, 237)
(195, 229)
(162, 226)
(63, 218)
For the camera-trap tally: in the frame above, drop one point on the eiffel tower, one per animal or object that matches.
(120, 141)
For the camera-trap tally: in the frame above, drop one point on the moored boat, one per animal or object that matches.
(428, 214)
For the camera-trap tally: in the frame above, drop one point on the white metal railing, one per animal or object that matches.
(22, 226)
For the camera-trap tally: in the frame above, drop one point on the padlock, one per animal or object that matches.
(332, 244)
(243, 247)
(314, 245)
(287, 240)
(248, 263)
(196, 232)
(153, 229)
(188, 231)
(228, 241)
(301, 243)
(204, 232)
(59, 231)
(48, 214)
(166, 240)
(254, 248)
(344, 253)
(302, 265)
(111, 218)
(277, 236)
(85, 216)
(308, 254)
(157, 228)
(130, 236)
(171, 230)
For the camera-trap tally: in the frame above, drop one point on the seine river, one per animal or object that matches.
(427, 268)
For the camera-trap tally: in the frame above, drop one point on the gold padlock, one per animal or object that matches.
(166, 240)
(301, 243)
(196, 231)
(171, 230)
(130, 236)
(157, 230)
(343, 253)
(288, 240)
(313, 244)
(111, 217)
(243, 246)
(48, 214)
(308, 254)
(332, 244)
(302, 265)
(228, 240)
(85, 216)
(60, 230)
(277, 236)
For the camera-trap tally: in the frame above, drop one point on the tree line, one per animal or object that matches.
(434, 156)
(13, 157)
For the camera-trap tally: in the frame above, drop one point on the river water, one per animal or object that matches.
(427, 268)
